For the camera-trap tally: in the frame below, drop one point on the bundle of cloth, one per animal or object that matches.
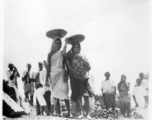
(80, 65)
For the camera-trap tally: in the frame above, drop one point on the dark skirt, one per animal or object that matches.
(109, 100)
(124, 100)
(124, 107)
(80, 88)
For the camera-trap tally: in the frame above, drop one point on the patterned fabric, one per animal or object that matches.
(124, 96)
(80, 65)
(123, 90)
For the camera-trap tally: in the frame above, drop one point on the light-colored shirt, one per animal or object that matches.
(91, 81)
(108, 86)
(42, 77)
(139, 92)
(145, 85)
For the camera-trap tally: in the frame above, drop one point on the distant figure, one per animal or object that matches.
(109, 92)
(144, 84)
(124, 98)
(41, 75)
(27, 82)
(139, 96)
(12, 74)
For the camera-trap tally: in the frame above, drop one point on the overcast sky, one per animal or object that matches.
(116, 31)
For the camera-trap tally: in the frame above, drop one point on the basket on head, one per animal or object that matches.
(76, 39)
(56, 33)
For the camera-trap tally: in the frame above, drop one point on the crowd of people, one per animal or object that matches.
(140, 95)
(46, 88)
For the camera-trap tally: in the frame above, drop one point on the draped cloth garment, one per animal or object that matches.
(59, 87)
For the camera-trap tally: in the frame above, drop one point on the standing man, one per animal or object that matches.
(139, 96)
(41, 76)
(144, 84)
(27, 82)
(12, 74)
(109, 92)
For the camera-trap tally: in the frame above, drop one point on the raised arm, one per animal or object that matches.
(16, 72)
(65, 46)
(18, 75)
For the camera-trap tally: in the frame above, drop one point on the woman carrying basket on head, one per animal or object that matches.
(56, 70)
(78, 71)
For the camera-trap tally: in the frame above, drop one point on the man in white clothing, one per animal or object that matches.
(139, 96)
(39, 99)
(41, 76)
(109, 92)
(144, 84)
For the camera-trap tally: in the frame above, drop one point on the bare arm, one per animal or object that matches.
(48, 67)
(65, 46)
(18, 75)
(135, 100)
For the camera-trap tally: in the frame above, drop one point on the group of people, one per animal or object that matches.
(140, 94)
(51, 85)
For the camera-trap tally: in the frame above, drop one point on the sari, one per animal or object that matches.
(79, 84)
(124, 98)
(59, 87)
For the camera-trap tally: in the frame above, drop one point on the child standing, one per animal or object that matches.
(40, 100)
